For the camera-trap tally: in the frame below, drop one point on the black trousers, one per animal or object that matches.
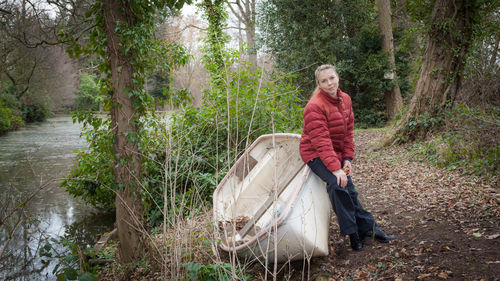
(351, 216)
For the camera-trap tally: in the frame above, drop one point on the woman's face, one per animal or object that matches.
(328, 81)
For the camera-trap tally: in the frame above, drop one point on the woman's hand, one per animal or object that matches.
(341, 177)
(347, 167)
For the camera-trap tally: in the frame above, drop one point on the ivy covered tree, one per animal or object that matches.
(214, 12)
(452, 27)
(123, 36)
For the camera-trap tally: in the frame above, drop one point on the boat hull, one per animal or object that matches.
(295, 223)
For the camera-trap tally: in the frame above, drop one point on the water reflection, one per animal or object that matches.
(83, 231)
(32, 162)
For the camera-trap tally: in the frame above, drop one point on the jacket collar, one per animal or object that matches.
(331, 99)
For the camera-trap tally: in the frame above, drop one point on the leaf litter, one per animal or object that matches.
(446, 223)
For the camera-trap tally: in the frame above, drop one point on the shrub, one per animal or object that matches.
(190, 150)
(89, 95)
(24, 108)
(463, 138)
(8, 119)
(206, 141)
(473, 136)
(365, 118)
(36, 112)
(69, 264)
(92, 177)
(5, 118)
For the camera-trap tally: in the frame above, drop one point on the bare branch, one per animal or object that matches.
(44, 42)
(184, 28)
(29, 79)
(235, 27)
(18, 206)
(5, 11)
(11, 79)
(236, 14)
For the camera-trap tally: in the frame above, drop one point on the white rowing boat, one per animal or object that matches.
(270, 205)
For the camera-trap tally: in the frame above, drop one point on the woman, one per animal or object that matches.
(327, 146)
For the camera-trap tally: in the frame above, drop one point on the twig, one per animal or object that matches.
(2, 220)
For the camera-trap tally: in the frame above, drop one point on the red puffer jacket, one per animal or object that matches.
(328, 129)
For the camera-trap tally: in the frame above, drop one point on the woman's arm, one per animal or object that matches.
(315, 124)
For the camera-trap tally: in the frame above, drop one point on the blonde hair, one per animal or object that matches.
(316, 75)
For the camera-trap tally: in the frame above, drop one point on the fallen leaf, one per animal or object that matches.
(423, 276)
(477, 234)
(443, 275)
(362, 275)
(472, 231)
(433, 268)
(446, 248)
(493, 236)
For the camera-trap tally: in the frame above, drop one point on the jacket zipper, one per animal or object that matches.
(341, 109)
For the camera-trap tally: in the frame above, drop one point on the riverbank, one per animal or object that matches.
(447, 226)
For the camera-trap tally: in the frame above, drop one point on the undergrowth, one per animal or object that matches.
(466, 139)
(185, 153)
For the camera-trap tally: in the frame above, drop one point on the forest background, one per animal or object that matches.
(175, 99)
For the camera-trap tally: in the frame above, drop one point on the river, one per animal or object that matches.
(36, 156)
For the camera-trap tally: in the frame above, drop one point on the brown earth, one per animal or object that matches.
(447, 224)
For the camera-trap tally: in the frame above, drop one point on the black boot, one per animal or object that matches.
(379, 235)
(356, 243)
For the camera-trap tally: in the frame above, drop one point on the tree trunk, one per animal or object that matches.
(252, 51)
(124, 120)
(447, 43)
(493, 58)
(250, 30)
(216, 17)
(245, 13)
(393, 99)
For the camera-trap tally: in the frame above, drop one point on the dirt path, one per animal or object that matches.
(447, 224)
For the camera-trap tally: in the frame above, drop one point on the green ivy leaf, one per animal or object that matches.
(70, 273)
